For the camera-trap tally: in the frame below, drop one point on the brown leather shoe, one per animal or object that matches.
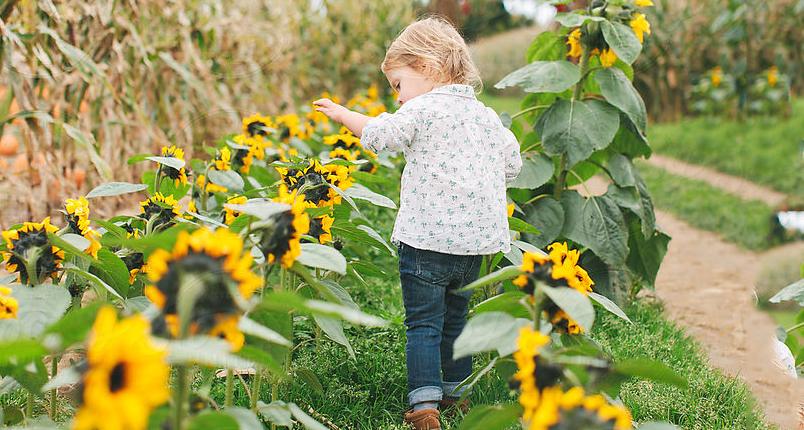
(452, 405)
(425, 419)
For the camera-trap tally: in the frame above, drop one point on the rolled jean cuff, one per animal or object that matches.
(424, 394)
(449, 389)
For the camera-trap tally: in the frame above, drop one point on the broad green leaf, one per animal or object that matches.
(547, 46)
(277, 413)
(249, 326)
(322, 257)
(652, 370)
(75, 324)
(376, 236)
(622, 171)
(39, 307)
(527, 247)
(228, 179)
(366, 268)
(620, 92)
(517, 224)
(71, 268)
(622, 39)
(263, 358)
(574, 303)
(79, 242)
(111, 268)
(794, 291)
(115, 189)
(349, 314)
(645, 256)
(577, 129)
(8, 385)
(262, 209)
(537, 169)
(547, 215)
(340, 292)
(489, 331)
(21, 351)
(308, 377)
(358, 191)
(543, 77)
(213, 420)
(246, 419)
(484, 417)
(333, 327)
(629, 140)
(204, 350)
(575, 19)
(363, 234)
(32, 374)
(596, 223)
(504, 274)
(646, 213)
(137, 158)
(369, 178)
(304, 419)
(510, 303)
(608, 305)
(176, 163)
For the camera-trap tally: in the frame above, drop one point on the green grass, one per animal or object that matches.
(705, 207)
(765, 151)
(501, 104)
(712, 400)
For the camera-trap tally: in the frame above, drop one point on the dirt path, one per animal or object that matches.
(707, 286)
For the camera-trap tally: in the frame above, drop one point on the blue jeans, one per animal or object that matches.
(435, 314)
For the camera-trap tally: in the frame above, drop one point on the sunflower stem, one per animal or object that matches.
(31, 259)
(53, 398)
(29, 405)
(180, 396)
(255, 388)
(538, 301)
(158, 178)
(229, 399)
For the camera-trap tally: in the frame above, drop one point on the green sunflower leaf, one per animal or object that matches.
(249, 326)
(517, 224)
(39, 307)
(543, 77)
(358, 191)
(213, 420)
(651, 370)
(489, 331)
(310, 379)
(622, 39)
(309, 422)
(536, 170)
(204, 350)
(607, 304)
(547, 46)
(277, 413)
(262, 209)
(228, 179)
(246, 419)
(510, 303)
(347, 313)
(115, 189)
(333, 327)
(596, 223)
(574, 303)
(577, 128)
(620, 92)
(484, 417)
(572, 19)
(176, 163)
(322, 257)
(509, 272)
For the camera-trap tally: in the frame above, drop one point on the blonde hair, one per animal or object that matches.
(434, 47)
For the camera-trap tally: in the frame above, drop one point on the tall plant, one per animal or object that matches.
(584, 118)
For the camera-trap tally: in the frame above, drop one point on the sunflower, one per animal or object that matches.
(257, 125)
(574, 42)
(223, 159)
(608, 57)
(572, 409)
(230, 214)
(243, 157)
(562, 322)
(320, 228)
(77, 217)
(314, 181)
(281, 243)
(343, 140)
(179, 176)
(8, 305)
(289, 126)
(216, 259)
(29, 241)
(643, 3)
(717, 76)
(640, 25)
(529, 343)
(135, 264)
(126, 377)
(773, 76)
(161, 209)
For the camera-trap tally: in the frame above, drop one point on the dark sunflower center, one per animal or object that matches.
(163, 215)
(284, 132)
(257, 128)
(171, 172)
(209, 270)
(133, 261)
(546, 374)
(72, 222)
(238, 158)
(277, 242)
(316, 189)
(316, 227)
(47, 262)
(117, 378)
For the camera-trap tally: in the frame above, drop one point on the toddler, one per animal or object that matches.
(452, 205)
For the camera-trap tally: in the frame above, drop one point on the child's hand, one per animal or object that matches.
(331, 109)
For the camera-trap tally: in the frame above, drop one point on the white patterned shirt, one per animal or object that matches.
(459, 158)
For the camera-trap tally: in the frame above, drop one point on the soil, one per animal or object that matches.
(707, 286)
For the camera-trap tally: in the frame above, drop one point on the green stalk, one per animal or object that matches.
(180, 396)
(29, 405)
(53, 399)
(561, 181)
(158, 178)
(538, 301)
(229, 399)
(191, 287)
(255, 388)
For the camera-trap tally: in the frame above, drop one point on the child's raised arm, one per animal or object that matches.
(354, 121)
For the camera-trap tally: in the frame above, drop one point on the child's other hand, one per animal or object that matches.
(331, 109)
